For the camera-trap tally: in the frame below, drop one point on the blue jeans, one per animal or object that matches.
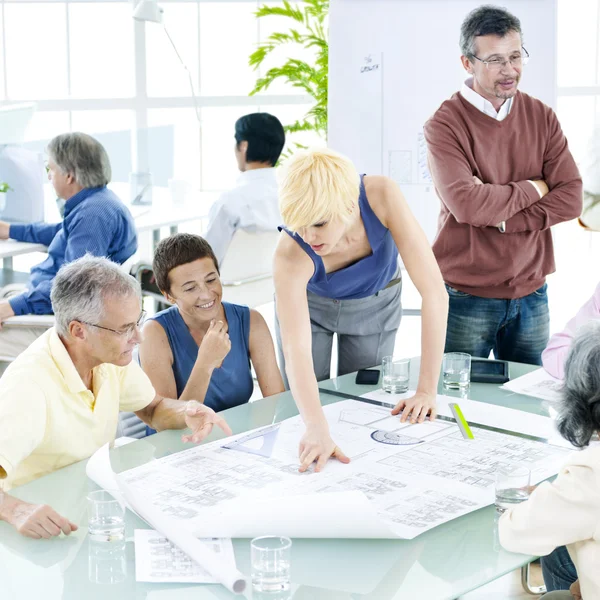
(558, 570)
(515, 330)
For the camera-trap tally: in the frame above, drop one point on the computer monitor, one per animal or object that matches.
(23, 170)
(14, 120)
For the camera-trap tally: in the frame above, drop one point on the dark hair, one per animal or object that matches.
(486, 20)
(176, 250)
(579, 410)
(264, 134)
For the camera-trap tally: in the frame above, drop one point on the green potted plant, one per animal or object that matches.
(4, 189)
(308, 29)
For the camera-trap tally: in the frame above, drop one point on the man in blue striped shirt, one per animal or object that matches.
(95, 222)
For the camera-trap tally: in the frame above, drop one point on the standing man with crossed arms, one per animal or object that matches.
(505, 175)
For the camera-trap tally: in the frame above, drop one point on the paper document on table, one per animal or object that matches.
(30, 321)
(402, 481)
(99, 470)
(482, 413)
(538, 383)
(157, 560)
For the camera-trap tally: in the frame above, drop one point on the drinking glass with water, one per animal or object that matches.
(107, 563)
(271, 563)
(512, 486)
(106, 517)
(456, 370)
(396, 374)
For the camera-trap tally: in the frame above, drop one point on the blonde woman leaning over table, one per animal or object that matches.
(336, 271)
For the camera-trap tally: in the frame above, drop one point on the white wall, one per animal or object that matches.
(376, 116)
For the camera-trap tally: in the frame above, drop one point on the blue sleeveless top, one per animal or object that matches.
(231, 384)
(366, 276)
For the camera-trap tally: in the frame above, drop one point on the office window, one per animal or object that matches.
(225, 48)
(46, 124)
(576, 114)
(2, 88)
(101, 50)
(578, 75)
(166, 77)
(219, 167)
(36, 50)
(276, 24)
(184, 163)
(101, 121)
(79, 61)
(577, 52)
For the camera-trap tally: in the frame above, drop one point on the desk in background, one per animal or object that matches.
(10, 248)
(148, 219)
(444, 563)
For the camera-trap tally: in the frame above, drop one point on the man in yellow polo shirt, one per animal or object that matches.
(60, 399)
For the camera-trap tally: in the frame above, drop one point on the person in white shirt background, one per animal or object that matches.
(561, 520)
(253, 204)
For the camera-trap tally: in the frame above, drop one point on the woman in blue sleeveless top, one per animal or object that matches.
(336, 271)
(201, 348)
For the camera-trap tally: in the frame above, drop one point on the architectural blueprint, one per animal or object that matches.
(403, 479)
(157, 560)
(538, 383)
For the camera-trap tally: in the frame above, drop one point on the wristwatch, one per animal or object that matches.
(502, 227)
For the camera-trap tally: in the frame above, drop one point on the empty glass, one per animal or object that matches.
(396, 374)
(456, 369)
(512, 486)
(271, 563)
(106, 517)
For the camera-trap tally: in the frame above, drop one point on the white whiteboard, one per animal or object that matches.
(376, 117)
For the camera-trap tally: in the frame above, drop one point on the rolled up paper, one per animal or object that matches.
(100, 471)
(197, 550)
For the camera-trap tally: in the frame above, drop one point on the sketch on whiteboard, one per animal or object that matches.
(400, 166)
(424, 174)
(370, 64)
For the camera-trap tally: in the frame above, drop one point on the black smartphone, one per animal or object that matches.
(489, 371)
(367, 377)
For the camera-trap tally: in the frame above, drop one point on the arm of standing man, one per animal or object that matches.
(477, 205)
(564, 201)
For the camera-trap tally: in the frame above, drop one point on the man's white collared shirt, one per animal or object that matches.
(252, 205)
(481, 103)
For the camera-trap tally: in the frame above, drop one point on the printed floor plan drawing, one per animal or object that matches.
(158, 560)
(260, 442)
(408, 487)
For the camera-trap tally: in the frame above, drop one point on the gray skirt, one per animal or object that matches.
(366, 330)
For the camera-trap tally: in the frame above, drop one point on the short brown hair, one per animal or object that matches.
(176, 250)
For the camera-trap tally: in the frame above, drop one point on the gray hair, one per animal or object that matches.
(486, 20)
(81, 287)
(83, 157)
(579, 410)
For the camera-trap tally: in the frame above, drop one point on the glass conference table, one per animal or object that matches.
(444, 563)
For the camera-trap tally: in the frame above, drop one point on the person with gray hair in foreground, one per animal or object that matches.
(60, 399)
(95, 221)
(566, 512)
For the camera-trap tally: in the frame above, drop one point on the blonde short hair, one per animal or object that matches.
(317, 185)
